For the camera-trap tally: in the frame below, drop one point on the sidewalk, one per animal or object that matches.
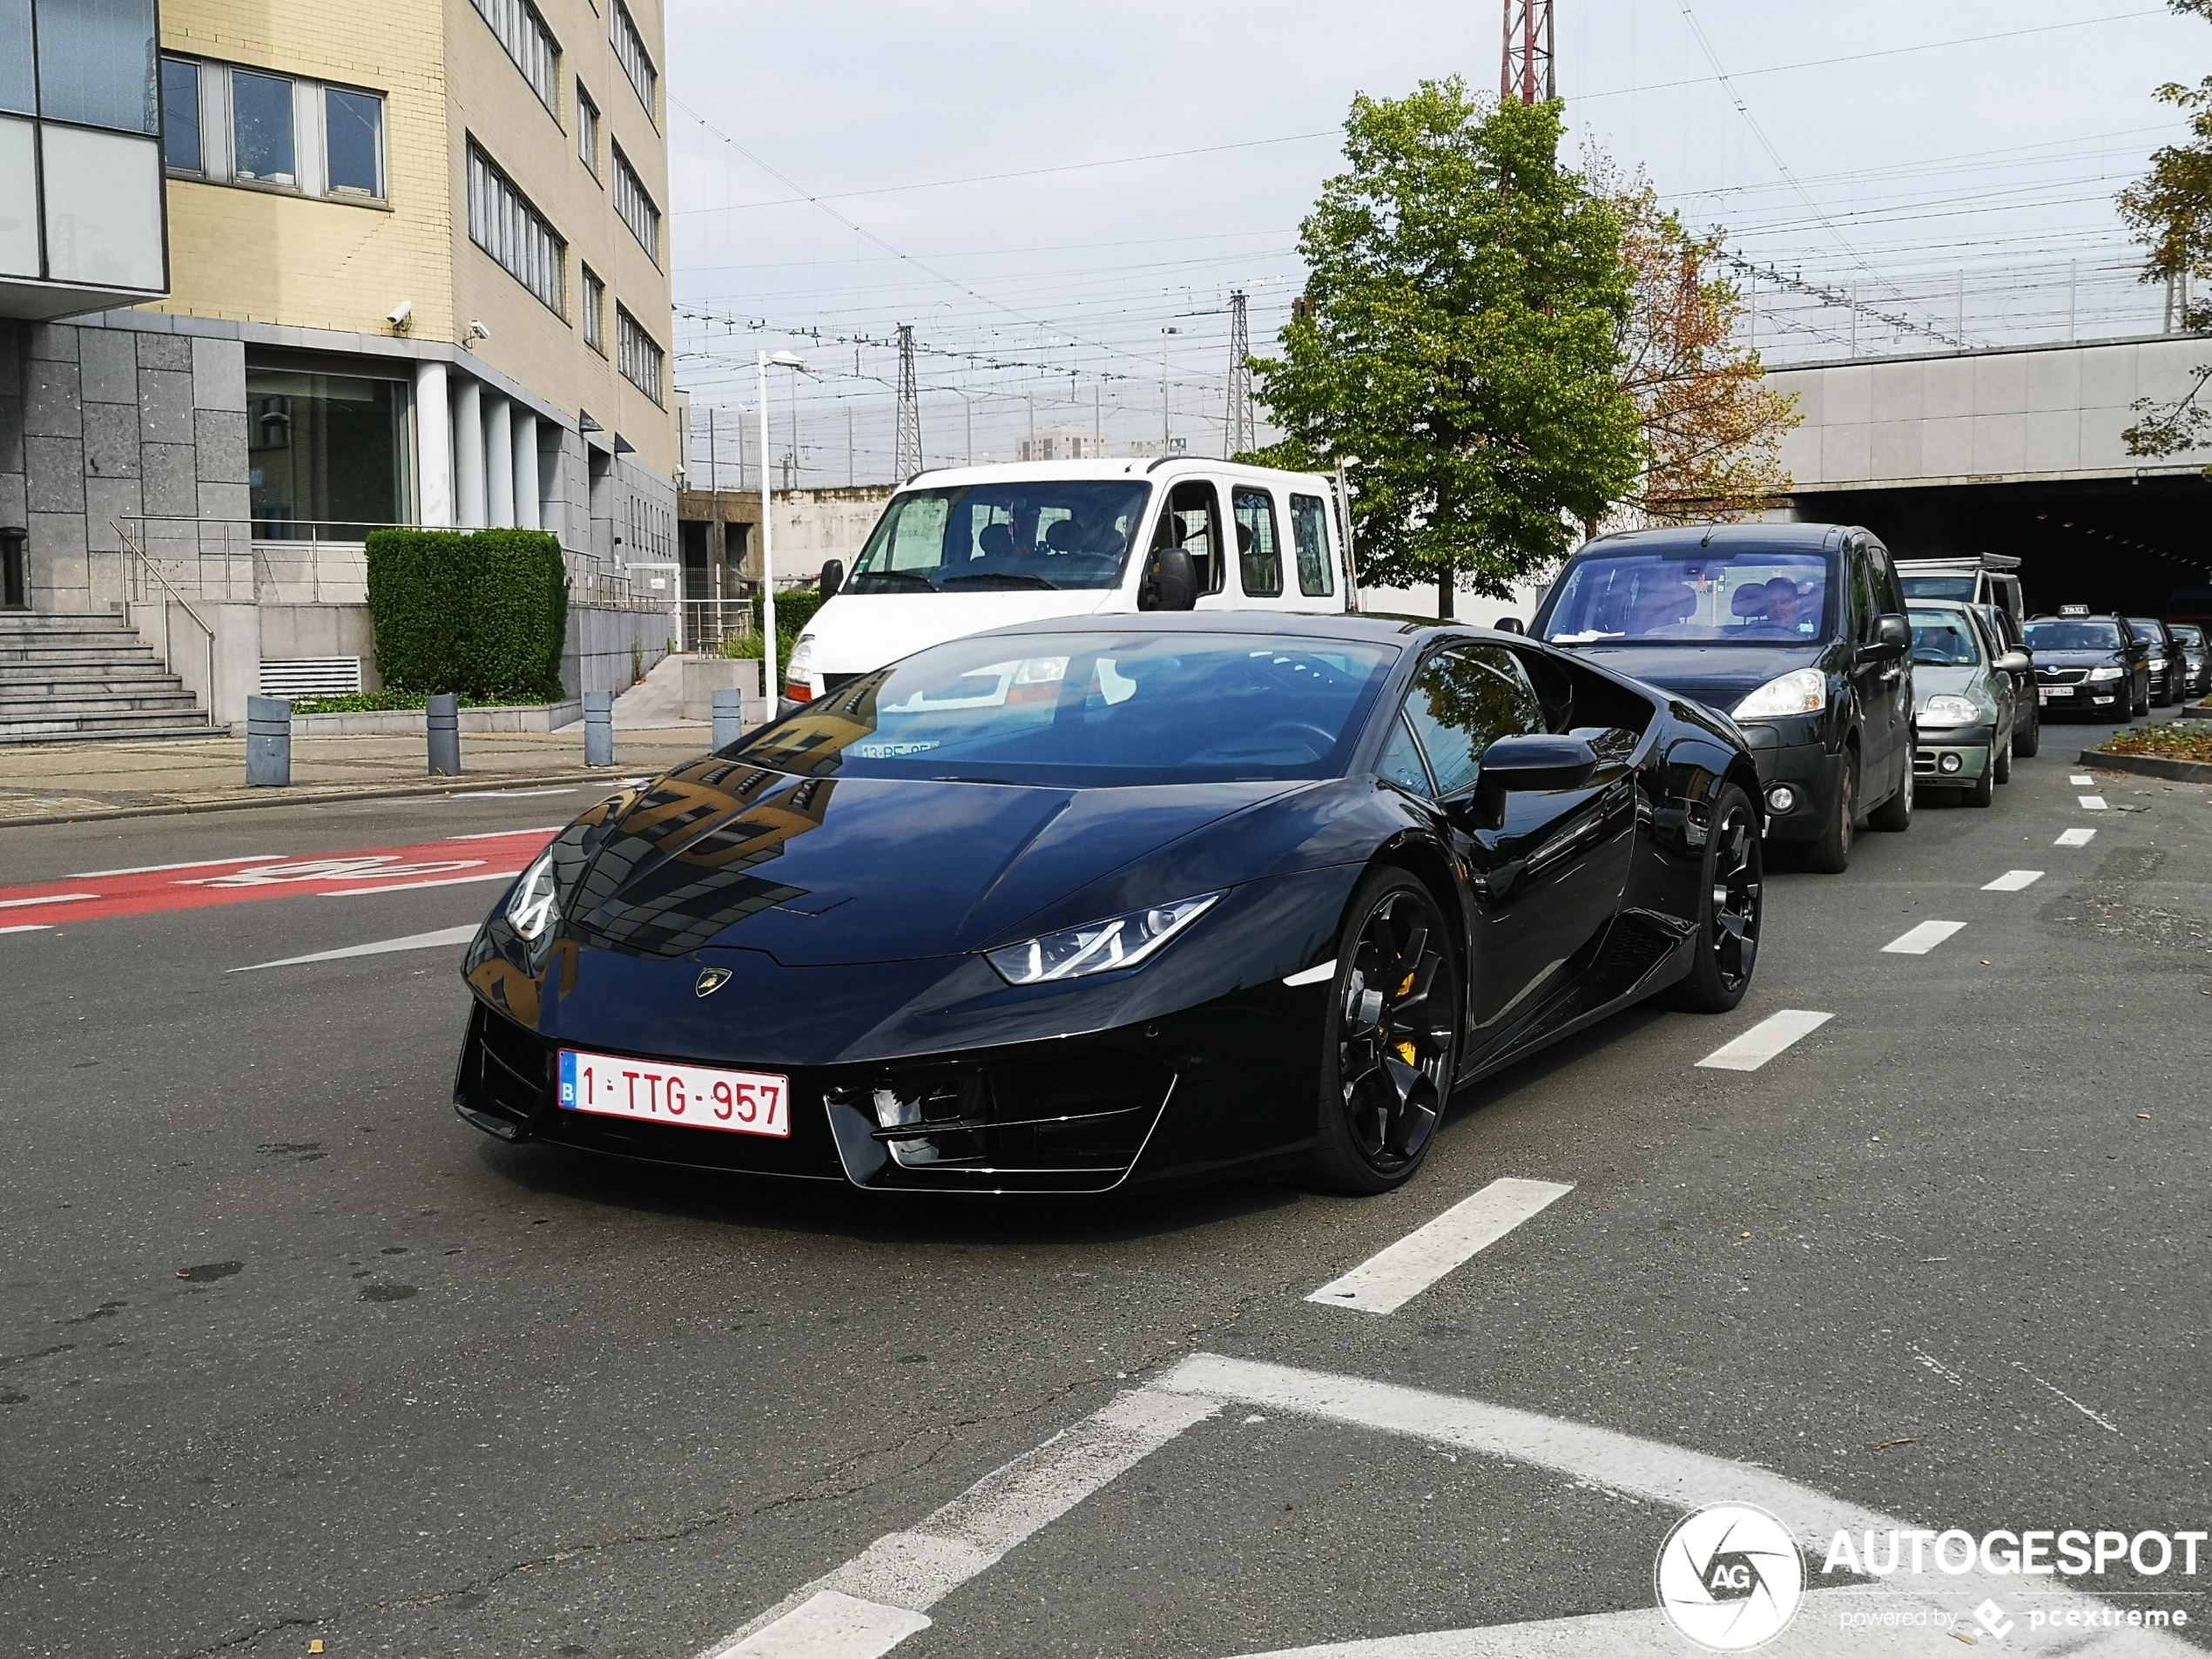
(61, 783)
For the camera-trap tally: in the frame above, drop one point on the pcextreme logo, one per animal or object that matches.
(1730, 1577)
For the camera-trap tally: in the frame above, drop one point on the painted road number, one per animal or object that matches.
(745, 1102)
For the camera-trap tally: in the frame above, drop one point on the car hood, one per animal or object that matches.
(1718, 675)
(1950, 681)
(818, 871)
(2079, 660)
(858, 633)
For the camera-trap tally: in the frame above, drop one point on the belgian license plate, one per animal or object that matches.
(743, 1103)
(2050, 691)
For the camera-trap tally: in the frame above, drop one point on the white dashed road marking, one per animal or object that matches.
(2092, 803)
(1919, 942)
(1392, 1277)
(503, 794)
(500, 835)
(2076, 838)
(195, 864)
(412, 941)
(2012, 881)
(1765, 1040)
(2082, 780)
(50, 898)
(410, 887)
(29, 928)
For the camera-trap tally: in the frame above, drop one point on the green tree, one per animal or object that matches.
(1459, 340)
(2169, 211)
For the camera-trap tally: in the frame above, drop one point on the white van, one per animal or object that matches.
(966, 549)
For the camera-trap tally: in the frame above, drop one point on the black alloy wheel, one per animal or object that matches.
(1895, 814)
(2000, 763)
(1830, 853)
(1727, 947)
(1392, 1040)
(1983, 790)
(2025, 743)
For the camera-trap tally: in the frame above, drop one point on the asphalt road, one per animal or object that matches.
(290, 1354)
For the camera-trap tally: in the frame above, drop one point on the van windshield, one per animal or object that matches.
(1938, 587)
(1755, 596)
(1025, 533)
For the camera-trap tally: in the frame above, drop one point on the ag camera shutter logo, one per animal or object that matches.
(1730, 1577)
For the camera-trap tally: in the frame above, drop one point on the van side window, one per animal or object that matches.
(1889, 592)
(1317, 577)
(1192, 521)
(1259, 553)
(1862, 595)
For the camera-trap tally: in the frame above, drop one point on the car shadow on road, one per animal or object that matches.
(1500, 1086)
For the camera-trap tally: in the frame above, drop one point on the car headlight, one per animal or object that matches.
(2157, 664)
(2102, 674)
(536, 905)
(801, 665)
(1097, 947)
(1949, 711)
(1802, 690)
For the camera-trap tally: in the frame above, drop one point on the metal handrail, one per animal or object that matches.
(138, 565)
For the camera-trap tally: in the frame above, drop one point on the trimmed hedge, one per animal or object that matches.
(793, 611)
(484, 613)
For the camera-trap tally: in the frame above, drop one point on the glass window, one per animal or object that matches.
(1259, 555)
(635, 206)
(18, 199)
(526, 39)
(637, 355)
(102, 197)
(630, 53)
(326, 454)
(96, 62)
(1465, 700)
(19, 86)
(1402, 759)
(1192, 521)
(181, 113)
(355, 123)
(595, 312)
(1944, 639)
(2095, 634)
(261, 116)
(1755, 597)
(1038, 533)
(586, 129)
(504, 225)
(1317, 573)
(1093, 709)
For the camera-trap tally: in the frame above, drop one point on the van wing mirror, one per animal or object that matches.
(1530, 762)
(1170, 581)
(832, 577)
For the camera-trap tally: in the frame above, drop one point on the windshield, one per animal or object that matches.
(2188, 633)
(1944, 639)
(1089, 710)
(1752, 597)
(1029, 533)
(2093, 634)
(1938, 587)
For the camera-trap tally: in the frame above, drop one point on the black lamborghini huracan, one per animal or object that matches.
(1118, 900)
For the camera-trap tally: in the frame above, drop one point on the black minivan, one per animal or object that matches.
(1797, 632)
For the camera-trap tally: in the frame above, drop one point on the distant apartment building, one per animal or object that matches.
(273, 277)
(1064, 443)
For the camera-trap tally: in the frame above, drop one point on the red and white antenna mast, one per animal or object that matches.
(1525, 73)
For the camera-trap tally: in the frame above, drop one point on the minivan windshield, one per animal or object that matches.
(1024, 533)
(1936, 586)
(1090, 710)
(2093, 633)
(1754, 597)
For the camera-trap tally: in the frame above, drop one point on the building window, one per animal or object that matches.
(354, 125)
(595, 310)
(181, 113)
(326, 455)
(527, 40)
(504, 225)
(261, 129)
(96, 63)
(587, 129)
(636, 207)
(630, 53)
(636, 355)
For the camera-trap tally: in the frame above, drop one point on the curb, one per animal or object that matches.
(311, 796)
(2179, 772)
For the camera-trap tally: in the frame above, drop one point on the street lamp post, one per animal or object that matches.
(771, 687)
(1166, 423)
(970, 403)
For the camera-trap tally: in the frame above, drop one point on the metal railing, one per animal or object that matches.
(140, 577)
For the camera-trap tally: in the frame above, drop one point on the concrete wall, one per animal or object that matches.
(2047, 413)
(598, 656)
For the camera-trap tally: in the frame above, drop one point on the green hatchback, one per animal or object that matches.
(1966, 709)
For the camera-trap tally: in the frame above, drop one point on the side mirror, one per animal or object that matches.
(1170, 581)
(1510, 625)
(1534, 761)
(832, 577)
(1893, 637)
(2015, 662)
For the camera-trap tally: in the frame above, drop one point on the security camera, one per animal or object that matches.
(400, 314)
(477, 331)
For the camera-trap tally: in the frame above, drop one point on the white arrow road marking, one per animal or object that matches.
(2092, 803)
(2075, 837)
(2012, 881)
(50, 898)
(196, 864)
(1765, 1040)
(1392, 1277)
(412, 941)
(1919, 942)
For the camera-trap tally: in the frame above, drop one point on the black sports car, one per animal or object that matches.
(1118, 900)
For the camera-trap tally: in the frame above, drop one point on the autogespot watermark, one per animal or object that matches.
(1730, 1577)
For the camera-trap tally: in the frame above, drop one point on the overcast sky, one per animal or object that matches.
(1042, 188)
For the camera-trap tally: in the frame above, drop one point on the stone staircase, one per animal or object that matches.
(79, 678)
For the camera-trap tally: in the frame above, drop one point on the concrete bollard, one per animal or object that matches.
(729, 716)
(598, 728)
(268, 742)
(444, 723)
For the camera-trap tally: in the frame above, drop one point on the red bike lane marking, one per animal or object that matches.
(452, 860)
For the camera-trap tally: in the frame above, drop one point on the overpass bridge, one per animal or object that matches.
(2016, 450)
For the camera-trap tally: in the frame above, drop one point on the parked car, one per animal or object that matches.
(1795, 631)
(2165, 659)
(2196, 658)
(2010, 636)
(969, 549)
(1981, 578)
(2085, 664)
(1118, 900)
(1967, 708)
